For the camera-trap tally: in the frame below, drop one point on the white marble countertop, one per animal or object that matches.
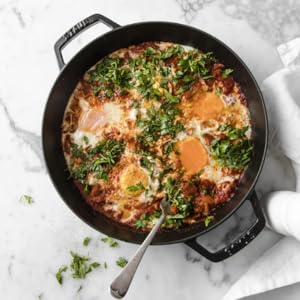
(36, 239)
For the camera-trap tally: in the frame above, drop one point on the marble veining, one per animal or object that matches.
(275, 20)
(36, 239)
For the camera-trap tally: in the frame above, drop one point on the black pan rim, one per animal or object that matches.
(251, 188)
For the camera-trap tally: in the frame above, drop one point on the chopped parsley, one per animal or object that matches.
(121, 262)
(105, 265)
(235, 150)
(147, 220)
(218, 91)
(233, 154)
(232, 132)
(97, 160)
(85, 139)
(26, 199)
(168, 147)
(227, 72)
(208, 220)
(58, 274)
(86, 241)
(80, 266)
(135, 188)
(110, 241)
(176, 198)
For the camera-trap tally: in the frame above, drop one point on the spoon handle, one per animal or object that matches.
(120, 285)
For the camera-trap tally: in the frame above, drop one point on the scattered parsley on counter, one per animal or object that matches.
(86, 241)
(121, 262)
(208, 220)
(79, 289)
(26, 199)
(105, 265)
(80, 267)
(58, 274)
(110, 241)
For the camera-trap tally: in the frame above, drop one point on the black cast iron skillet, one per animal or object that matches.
(121, 37)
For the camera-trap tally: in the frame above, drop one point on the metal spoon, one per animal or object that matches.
(120, 285)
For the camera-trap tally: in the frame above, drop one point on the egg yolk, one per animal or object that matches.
(133, 176)
(204, 105)
(92, 120)
(192, 155)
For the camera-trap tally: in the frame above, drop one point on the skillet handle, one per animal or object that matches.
(76, 30)
(240, 242)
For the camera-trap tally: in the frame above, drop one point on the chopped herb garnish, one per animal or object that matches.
(26, 199)
(97, 160)
(110, 241)
(208, 220)
(79, 289)
(58, 274)
(135, 104)
(168, 147)
(121, 262)
(218, 91)
(135, 188)
(232, 132)
(86, 241)
(85, 139)
(233, 154)
(105, 265)
(226, 72)
(176, 198)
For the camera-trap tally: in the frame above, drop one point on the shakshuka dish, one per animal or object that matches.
(152, 121)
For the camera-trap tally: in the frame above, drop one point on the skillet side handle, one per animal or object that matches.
(76, 30)
(240, 242)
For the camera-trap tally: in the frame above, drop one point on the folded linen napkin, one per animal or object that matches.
(280, 265)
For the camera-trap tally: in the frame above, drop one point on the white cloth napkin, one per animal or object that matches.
(280, 265)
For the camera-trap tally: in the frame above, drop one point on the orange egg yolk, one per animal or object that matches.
(205, 105)
(193, 155)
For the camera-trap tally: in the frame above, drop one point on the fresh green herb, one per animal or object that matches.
(121, 262)
(77, 151)
(105, 265)
(97, 160)
(40, 296)
(175, 197)
(208, 220)
(218, 91)
(135, 104)
(79, 266)
(226, 72)
(108, 74)
(171, 52)
(147, 220)
(168, 147)
(233, 154)
(85, 139)
(141, 222)
(135, 188)
(26, 199)
(232, 132)
(79, 289)
(86, 241)
(157, 123)
(58, 274)
(110, 241)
